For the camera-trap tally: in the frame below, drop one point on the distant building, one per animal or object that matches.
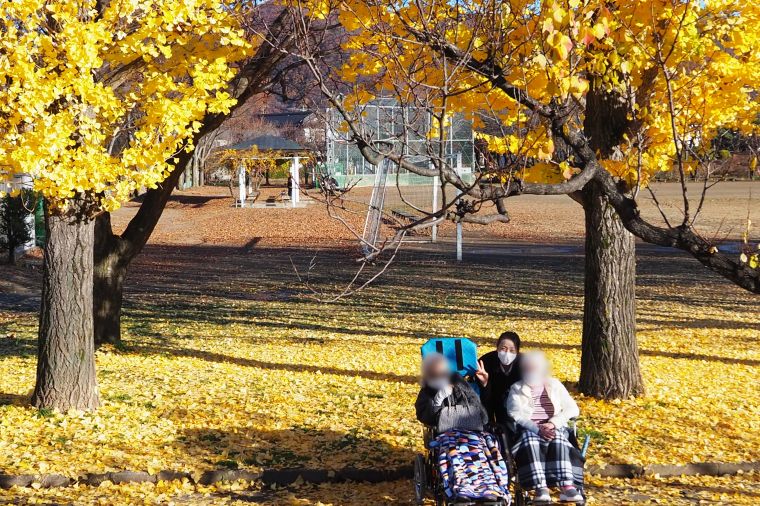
(307, 127)
(406, 130)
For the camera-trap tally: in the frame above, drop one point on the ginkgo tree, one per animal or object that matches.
(268, 27)
(97, 100)
(592, 99)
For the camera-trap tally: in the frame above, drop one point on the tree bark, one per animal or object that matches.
(108, 283)
(610, 355)
(66, 355)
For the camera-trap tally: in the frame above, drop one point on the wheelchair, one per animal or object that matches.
(521, 496)
(462, 356)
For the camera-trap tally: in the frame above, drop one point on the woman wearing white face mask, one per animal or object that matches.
(498, 370)
(445, 400)
(541, 407)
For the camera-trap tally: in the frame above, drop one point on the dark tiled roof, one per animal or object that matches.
(286, 118)
(269, 143)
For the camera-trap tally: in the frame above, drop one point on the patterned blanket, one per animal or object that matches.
(471, 466)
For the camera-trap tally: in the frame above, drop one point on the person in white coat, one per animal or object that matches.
(541, 408)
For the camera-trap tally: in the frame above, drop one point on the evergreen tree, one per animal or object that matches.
(14, 229)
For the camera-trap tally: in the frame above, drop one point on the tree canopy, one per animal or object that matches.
(98, 97)
(610, 92)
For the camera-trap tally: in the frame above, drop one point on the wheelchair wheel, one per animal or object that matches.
(520, 498)
(420, 479)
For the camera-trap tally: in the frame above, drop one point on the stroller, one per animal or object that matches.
(434, 472)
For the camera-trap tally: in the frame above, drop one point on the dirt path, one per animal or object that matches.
(206, 216)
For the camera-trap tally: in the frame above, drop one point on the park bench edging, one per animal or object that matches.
(284, 477)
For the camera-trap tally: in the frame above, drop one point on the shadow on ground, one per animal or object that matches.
(261, 364)
(298, 447)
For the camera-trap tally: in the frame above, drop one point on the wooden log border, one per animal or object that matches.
(284, 477)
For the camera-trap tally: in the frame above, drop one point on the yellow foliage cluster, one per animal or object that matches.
(254, 161)
(691, 67)
(98, 102)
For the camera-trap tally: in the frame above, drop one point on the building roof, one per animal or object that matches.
(269, 143)
(286, 118)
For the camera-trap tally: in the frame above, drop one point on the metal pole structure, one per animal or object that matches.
(376, 203)
(434, 231)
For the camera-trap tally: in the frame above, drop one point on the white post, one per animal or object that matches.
(459, 241)
(241, 184)
(459, 234)
(295, 169)
(434, 232)
(459, 162)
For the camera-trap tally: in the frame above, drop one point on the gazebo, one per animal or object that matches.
(267, 147)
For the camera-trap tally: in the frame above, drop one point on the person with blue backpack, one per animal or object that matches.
(446, 401)
(467, 457)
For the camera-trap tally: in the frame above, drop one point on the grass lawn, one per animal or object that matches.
(229, 363)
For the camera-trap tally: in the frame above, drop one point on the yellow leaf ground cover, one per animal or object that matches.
(229, 364)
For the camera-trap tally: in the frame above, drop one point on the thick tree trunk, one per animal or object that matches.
(610, 355)
(66, 357)
(108, 283)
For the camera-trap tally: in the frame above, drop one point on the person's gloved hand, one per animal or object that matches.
(441, 395)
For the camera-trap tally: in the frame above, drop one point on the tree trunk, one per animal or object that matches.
(66, 357)
(610, 355)
(108, 283)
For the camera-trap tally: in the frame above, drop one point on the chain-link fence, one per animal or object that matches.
(404, 131)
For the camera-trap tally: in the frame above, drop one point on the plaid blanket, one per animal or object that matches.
(471, 466)
(542, 463)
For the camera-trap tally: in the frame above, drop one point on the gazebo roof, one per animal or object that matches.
(269, 143)
(287, 118)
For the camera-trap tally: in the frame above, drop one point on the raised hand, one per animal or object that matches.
(481, 375)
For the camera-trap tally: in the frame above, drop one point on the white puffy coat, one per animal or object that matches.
(520, 404)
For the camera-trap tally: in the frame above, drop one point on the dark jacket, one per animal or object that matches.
(460, 410)
(500, 381)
